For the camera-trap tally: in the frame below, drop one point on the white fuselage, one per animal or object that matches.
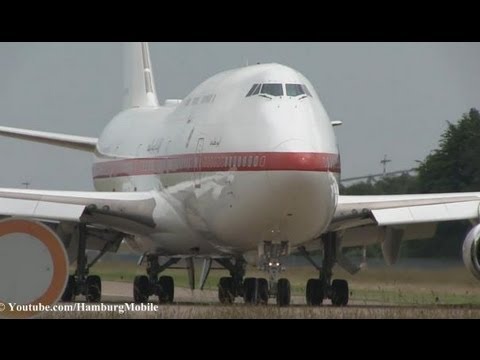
(237, 170)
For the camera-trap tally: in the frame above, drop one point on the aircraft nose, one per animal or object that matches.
(293, 145)
(295, 158)
(302, 194)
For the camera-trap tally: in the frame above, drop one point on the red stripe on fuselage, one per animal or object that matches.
(219, 162)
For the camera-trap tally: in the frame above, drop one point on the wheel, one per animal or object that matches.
(339, 292)
(69, 293)
(94, 289)
(249, 291)
(226, 291)
(167, 288)
(262, 291)
(140, 289)
(283, 292)
(315, 292)
(255, 291)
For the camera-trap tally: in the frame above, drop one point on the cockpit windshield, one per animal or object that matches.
(292, 90)
(272, 89)
(253, 89)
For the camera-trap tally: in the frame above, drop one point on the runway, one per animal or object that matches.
(204, 305)
(119, 292)
(123, 292)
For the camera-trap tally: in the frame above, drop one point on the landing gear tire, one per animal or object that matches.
(315, 292)
(262, 291)
(283, 292)
(69, 293)
(93, 286)
(166, 290)
(249, 291)
(225, 290)
(140, 289)
(255, 291)
(340, 292)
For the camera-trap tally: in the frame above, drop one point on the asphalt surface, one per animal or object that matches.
(121, 292)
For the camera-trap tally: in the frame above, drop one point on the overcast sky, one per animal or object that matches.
(393, 98)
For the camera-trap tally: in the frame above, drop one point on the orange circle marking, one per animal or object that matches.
(59, 261)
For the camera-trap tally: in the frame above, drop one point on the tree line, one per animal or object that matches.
(453, 167)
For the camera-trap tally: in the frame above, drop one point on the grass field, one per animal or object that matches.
(292, 312)
(383, 285)
(378, 292)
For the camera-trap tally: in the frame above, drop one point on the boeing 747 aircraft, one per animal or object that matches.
(244, 170)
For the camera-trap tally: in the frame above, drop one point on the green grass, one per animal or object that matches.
(273, 312)
(376, 293)
(386, 285)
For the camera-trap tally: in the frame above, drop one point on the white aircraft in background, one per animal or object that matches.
(244, 170)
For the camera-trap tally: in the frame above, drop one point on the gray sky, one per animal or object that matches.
(394, 98)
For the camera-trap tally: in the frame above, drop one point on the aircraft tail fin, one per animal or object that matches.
(139, 86)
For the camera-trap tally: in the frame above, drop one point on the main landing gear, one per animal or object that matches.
(323, 287)
(233, 286)
(257, 291)
(81, 283)
(163, 286)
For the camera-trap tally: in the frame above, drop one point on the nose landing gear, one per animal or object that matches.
(256, 291)
(271, 256)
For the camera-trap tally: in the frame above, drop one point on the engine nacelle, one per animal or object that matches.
(471, 251)
(33, 267)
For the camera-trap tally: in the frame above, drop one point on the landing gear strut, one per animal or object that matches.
(323, 287)
(81, 283)
(146, 286)
(233, 286)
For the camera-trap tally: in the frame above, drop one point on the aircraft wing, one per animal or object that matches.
(68, 141)
(130, 213)
(392, 210)
(390, 219)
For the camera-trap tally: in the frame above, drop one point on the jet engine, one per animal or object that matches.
(33, 267)
(471, 251)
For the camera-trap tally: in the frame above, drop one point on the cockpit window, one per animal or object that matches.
(257, 89)
(292, 90)
(306, 90)
(295, 89)
(272, 89)
(252, 90)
